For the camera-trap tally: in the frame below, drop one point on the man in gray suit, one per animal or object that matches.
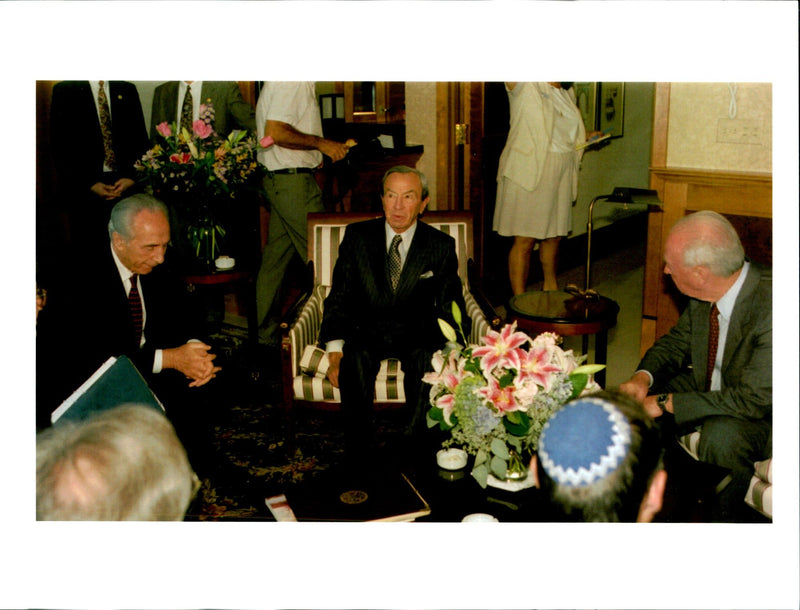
(725, 392)
(231, 111)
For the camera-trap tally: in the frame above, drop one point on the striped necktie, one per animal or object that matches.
(713, 343)
(105, 127)
(187, 111)
(137, 313)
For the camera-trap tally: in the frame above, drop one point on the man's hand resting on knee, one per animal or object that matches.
(334, 359)
(194, 360)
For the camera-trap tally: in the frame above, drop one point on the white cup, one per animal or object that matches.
(451, 459)
(225, 262)
(479, 518)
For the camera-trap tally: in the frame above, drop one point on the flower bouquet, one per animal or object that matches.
(495, 398)
(198, 172)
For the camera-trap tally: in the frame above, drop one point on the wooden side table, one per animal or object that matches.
(567, 315)
(241, 281)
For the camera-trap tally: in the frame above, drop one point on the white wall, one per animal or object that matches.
(624, 161)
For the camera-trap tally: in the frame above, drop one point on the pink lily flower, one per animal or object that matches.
(501, 348)
(536, 365)
(503, 399)
(266, 142)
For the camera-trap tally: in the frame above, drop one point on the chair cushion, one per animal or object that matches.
(690, 442)
(314, 363)
(319, 389)
(759, 493)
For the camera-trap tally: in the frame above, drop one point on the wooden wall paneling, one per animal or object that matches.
(746, 198)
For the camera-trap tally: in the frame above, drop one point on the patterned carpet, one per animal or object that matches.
(255, 456)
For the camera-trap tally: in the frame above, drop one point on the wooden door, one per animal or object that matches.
(472, 126)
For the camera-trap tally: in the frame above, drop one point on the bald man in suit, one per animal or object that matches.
(727, 396)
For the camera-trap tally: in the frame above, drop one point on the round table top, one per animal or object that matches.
(557, 306)
(219, 276)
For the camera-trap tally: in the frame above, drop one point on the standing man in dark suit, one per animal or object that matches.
(231, 111)
(713, 370)
(123, 302)
(98, 133)
(394, 277)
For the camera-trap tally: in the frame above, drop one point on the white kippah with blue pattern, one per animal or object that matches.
(584, 442)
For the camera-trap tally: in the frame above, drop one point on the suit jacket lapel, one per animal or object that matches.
(742, 312)
(169, 102)
(415, 261)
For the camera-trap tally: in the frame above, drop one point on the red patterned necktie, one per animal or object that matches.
(105, 127)
(187, 111)
(394, 261)
(713, 342)
(137, 314)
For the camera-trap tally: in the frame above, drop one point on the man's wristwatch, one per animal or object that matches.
(661, 401)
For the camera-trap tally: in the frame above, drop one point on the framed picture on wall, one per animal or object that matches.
(611, 108)
(586, 98)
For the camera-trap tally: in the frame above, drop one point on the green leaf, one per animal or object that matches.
(481, 475)
(589, 369)
(499, 467)
(436, 414)
(579, 382)
(481, 456)
(499, 448)
(517, 423)
(516, 442)
(508, 378)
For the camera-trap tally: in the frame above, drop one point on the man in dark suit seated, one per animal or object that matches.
(393, 279)
(713, 370)
(123, 302)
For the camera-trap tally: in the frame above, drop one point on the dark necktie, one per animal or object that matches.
(105, 127)
(137, 314)
(394, 261)
(188, 110)
(713, 342)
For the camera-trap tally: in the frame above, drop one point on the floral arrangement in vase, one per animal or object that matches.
(494, 398)
(197, 172)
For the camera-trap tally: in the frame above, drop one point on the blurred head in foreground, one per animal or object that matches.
(599, 459)
(124, 464)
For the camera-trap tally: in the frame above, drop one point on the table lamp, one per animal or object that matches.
(628, 196)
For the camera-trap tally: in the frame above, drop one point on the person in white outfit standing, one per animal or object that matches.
(537, 180)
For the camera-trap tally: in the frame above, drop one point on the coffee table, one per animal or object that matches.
(450, 495)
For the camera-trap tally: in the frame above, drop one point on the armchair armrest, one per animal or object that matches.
(302, 332)
(492, 317)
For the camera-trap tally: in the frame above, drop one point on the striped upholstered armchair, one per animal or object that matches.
(305, 364)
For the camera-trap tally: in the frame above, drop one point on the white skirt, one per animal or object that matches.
(542, 213)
